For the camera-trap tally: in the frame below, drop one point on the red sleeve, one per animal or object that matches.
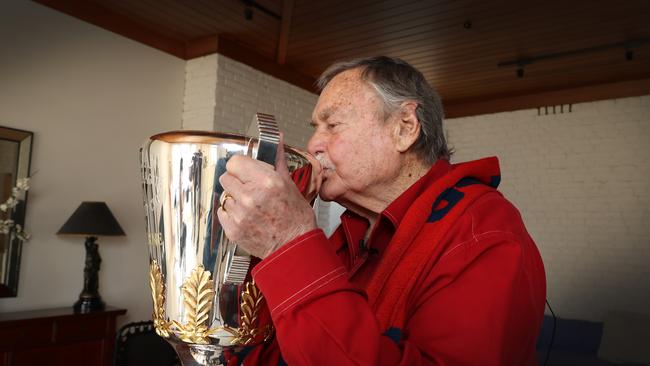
(474, 307)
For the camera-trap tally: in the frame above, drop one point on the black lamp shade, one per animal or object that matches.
(92, 219)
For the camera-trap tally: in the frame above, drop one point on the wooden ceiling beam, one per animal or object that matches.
(631, 88)
(461, 62)
(101, 16)
(201, 47)
(237, 52)
(285, 27)
(251, 58)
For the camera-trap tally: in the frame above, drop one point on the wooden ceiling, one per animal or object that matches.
(568, 51)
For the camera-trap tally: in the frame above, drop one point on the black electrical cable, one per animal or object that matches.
(550, 345)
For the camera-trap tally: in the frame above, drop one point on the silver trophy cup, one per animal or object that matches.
(204, 300)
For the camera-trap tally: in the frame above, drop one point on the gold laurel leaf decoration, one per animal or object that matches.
(251, 300)
(158, 296)
(198, 294)
(232, 331)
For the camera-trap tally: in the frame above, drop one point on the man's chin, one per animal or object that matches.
(328, 195)
(325, 198)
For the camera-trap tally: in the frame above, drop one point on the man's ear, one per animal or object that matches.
(407, 128)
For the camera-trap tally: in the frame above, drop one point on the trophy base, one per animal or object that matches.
(199, 354)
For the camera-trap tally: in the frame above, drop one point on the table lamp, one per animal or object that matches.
(91, 219)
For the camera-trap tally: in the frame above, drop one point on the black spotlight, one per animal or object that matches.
(520, 72)
(629, 55)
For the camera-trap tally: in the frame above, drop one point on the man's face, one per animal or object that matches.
(352, 140)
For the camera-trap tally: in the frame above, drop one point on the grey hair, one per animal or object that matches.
(396, 82)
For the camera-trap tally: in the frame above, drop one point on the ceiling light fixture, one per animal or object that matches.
(628, 46)
(250, 4)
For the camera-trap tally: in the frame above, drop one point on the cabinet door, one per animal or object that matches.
(89, 353)
(73, 330)
(77, 354)
(36, 356)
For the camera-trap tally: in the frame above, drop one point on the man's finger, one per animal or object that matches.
(231, 184)
(246, 169)
(249, 148)
(225, 220)
(280, 160)
(230, 212)
(316, 177)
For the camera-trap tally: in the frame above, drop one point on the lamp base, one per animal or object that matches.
(89, 298)
(88, 304)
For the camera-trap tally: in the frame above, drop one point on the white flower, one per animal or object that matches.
(23, 236)
(22, 184)
(11, 202)
(20, 234)
(7, 226)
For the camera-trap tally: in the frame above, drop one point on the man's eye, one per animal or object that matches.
(332, 125)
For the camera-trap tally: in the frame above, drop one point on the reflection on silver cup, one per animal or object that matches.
(203, 297)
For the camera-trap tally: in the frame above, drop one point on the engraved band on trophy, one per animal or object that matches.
(204, 300)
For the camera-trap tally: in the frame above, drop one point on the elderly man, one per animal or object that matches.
(431, 265)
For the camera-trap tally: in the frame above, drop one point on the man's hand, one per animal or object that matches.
(265, 209)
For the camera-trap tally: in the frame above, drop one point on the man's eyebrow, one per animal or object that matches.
(325, 113)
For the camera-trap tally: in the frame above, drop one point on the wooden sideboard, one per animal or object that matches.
(58, 337)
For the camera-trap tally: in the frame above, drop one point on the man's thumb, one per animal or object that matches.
(280, 161)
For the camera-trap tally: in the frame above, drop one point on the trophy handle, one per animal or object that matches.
(237, 264)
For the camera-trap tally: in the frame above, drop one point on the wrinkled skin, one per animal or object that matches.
(355, 144)
(366, 165)
(266, 209)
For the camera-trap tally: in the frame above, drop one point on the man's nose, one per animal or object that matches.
(316, 143)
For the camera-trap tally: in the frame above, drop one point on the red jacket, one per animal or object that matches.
(449, 276)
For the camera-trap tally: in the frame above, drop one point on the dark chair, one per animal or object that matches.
(137, 344)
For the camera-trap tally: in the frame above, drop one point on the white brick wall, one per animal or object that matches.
(242, 91)
(224, 95)
(200, 89)
(582, 183)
